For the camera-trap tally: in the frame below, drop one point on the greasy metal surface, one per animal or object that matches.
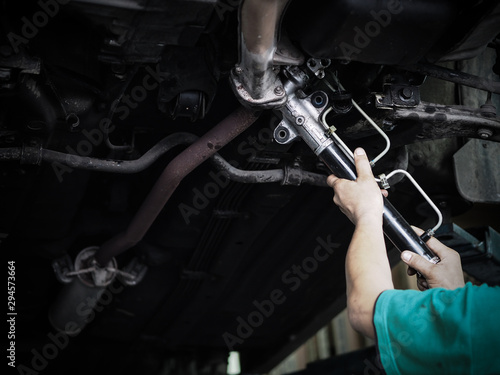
(120, 166)
(437, 113)
(259, 19)
(176, 170)
(286, 176)
(301, 115)
(34, 155)
(443, 121)
(477, 171)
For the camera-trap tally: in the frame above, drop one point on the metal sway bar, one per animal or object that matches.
(36, 155)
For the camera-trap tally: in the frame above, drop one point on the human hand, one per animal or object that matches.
(358, 199)
(446, 274)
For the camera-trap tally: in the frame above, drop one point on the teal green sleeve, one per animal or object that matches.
(439, 331)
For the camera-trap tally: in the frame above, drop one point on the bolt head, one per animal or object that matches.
(299, 120)
(278, 90)
(406, 93)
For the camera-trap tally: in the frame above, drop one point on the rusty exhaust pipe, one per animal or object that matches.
(172, 175)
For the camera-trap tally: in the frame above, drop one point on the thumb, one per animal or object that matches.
(417, 262)
(363, 168)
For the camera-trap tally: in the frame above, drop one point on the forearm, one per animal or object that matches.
(368, 273)
(367, 268)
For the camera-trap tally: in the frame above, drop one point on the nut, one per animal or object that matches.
(406, 93)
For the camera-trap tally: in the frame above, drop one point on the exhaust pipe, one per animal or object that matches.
(172, 175)
(74, 306)
(254, 80)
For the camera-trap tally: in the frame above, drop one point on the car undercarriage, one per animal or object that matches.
(163, 168)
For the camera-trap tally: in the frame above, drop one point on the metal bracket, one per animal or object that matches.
(401, 96)
(91, 274)
(293, 176)
(318, 66)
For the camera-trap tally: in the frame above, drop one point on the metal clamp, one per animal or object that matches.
(384, 184)
(91, 274)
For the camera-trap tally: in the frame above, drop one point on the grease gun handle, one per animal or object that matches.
(396, 228)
